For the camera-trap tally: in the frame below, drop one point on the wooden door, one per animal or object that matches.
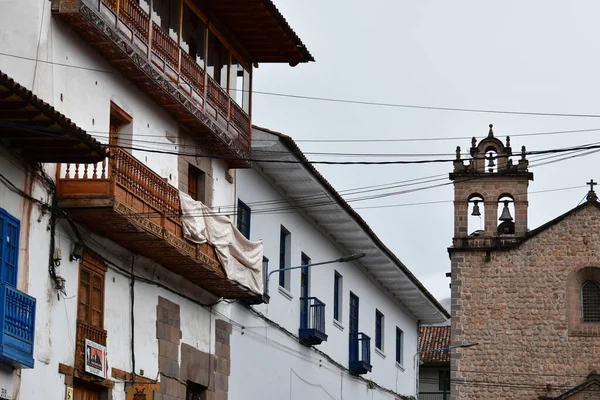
(85, 393)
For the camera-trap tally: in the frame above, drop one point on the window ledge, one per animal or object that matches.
(380, 352)
(400, 366)
(338, 325)
(286, 293)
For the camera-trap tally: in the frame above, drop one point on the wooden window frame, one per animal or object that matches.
(96, 269)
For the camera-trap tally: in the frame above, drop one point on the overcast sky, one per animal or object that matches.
(534, 56)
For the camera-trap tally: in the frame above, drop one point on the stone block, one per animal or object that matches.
(168, 349)
(168, 366)
(168, 304)
(222, 336)
(222, 350)
(221, 382)
(223, 366)
(168, 317)
(196, 366)
(167, 332)
(220, 395)
(221, 324)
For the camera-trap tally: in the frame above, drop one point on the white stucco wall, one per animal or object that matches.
(429, 380)
(305, 237)
(84, 96)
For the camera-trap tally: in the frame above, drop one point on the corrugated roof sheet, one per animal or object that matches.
(432, 338)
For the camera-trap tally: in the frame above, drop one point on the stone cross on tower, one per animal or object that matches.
(592, 194)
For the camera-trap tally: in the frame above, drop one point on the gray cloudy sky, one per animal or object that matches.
(539, 56)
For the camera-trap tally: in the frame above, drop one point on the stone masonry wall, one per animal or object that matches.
(517, 307)
(205, 370)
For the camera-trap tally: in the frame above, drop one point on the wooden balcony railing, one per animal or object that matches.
(165, 45)
(123, 192)
(86, 331)
(192, 71)
(134, 16)
(242, 121)
(217, 96)
(142, 51)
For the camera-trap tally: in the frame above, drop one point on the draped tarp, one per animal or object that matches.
(241, 258)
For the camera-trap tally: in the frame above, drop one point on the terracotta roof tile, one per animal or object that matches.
(432, 338)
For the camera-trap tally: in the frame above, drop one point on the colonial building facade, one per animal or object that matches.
(108, 291)
(344, 328)
(529, 298)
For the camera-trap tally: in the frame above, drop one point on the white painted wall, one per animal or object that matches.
(429, 380)
(27, 29)
(252, 188)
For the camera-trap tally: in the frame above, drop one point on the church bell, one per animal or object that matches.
(506, 213)
(476, 212)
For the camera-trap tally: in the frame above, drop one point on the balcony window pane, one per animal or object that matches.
(145, 5)
(218, 60)
(239, 85)
(193, 34)
(165, 13)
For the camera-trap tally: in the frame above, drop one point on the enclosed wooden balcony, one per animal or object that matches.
(125, 201)
(127, 35)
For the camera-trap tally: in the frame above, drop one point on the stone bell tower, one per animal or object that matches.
(492, 181)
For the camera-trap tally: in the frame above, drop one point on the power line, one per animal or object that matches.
(348, 101)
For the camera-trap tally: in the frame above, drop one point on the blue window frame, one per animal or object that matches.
(265, 270)
(243, 219)
(378, 330)
(284, 258)
(337, 296)
(9, 248)
(399, 340)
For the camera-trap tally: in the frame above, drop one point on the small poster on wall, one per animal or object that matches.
(95, 358)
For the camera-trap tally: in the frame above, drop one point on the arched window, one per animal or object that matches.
(590, 301)
(476, 214)
(491, 160)
(506, 213)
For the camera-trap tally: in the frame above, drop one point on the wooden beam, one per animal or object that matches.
(12, 115)
(13, 105)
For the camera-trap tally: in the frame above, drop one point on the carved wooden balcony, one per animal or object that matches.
(145, 54)
(127, 202)
(90, 332)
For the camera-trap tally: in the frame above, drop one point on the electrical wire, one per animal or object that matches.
(348, 101)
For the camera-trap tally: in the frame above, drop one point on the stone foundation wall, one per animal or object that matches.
(207, 372)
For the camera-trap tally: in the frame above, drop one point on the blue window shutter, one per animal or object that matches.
(9, 257)
(2, 239)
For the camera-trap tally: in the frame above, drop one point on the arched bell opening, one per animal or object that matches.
(506, 215)
(491, 160)
(476, 216)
